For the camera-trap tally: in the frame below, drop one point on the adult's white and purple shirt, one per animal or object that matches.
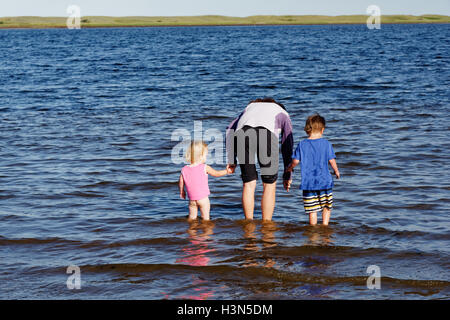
(270, 116)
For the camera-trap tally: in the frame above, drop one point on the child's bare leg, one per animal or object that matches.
(193, 210)
(204, 206)
(326, 213)
(313, 218)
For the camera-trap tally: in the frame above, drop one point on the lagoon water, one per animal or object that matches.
(86, 176)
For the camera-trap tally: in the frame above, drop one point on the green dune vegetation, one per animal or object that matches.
(100, 21)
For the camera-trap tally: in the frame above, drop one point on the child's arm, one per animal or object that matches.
(335, 168)
(293, 164)
(181, 186)
(216, 173)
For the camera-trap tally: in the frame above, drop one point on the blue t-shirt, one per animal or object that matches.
(314, 155)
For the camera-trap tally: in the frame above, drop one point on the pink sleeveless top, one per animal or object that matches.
(196, 181)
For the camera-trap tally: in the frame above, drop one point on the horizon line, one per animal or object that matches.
(229, 16)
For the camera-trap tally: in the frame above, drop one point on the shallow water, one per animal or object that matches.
(86, 176)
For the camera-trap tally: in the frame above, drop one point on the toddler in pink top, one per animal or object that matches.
(194, 178)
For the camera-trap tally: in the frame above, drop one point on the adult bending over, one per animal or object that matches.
(257, 130)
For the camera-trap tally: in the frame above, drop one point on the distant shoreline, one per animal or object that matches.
(216, 25)
(199, 21)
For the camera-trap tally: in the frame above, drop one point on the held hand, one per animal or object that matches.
(231, 168)
(183, 195)
(287, 185)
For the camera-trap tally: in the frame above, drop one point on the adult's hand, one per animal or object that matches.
(287, 185)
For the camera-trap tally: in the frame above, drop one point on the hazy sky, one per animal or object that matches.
(223, 7)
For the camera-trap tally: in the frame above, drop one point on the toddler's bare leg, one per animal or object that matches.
(313, 218)
(193, 210)
(326, 213)
(204, 206)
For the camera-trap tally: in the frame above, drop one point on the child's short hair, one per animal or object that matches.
(314, 123)
(195, 151)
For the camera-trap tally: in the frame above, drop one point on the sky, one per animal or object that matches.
(238, 8)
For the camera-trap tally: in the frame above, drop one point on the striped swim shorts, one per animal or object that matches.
(316, 200)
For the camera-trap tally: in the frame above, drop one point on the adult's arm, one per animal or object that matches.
(230, 141)
(287, 144)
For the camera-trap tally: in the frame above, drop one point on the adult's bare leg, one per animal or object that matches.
(268, 200)
(248, 199)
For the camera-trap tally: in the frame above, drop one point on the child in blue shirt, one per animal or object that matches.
(314, 154)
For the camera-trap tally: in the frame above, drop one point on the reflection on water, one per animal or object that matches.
(249, 228)
(319, 235)
(91, 160)
(267, 230)
(316, 261)
(195, 254)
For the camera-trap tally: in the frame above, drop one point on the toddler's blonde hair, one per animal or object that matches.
(195, 151)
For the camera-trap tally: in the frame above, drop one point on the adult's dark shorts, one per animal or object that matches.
(260, 141)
